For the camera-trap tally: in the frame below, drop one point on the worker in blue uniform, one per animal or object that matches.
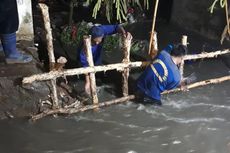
(162, 74)
(98, 33)
(9, 23)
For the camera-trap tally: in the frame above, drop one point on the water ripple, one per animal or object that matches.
(106, 121)
(184, 104)
(182, 120)
(193, 120)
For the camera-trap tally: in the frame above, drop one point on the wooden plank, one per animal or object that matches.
(89, 56)
(82, 108)
(125, 73)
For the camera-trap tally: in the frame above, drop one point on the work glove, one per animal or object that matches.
(191, 78)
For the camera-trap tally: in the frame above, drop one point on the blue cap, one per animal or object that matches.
(97, 31)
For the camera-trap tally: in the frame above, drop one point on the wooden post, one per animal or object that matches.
(227, 19)
(154, 47)
(183, 42)
(125, 73)
(93, 87)
(49, 38)
(153, 27)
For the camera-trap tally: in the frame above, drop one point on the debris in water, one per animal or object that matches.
(176, 142)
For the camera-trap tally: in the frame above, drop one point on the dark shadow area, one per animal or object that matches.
(164, 10)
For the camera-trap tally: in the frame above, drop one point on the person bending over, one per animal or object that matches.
(162, 74)
(98, 33)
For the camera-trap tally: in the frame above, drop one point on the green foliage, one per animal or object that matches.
(213, 6)
(121, 7)
(111, 42)
(114, 42)
(72, 35)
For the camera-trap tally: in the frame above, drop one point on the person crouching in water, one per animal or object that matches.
(162, 74)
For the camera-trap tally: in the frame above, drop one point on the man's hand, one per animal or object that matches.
(184, 88)
(190, 79)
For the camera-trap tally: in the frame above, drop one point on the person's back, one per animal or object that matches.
(163, 74)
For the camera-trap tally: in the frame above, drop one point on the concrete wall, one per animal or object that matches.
(194, 15)
(25, 31)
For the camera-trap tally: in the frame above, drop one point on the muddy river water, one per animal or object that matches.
(197, 121)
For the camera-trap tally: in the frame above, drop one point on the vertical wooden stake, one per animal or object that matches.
(184, 42)
(126, 59)
(49, 38)
(227, 19)
(154, 47)
(153, 27)
(93, 87)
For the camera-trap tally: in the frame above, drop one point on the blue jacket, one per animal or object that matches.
(96, 49)
(163, 74)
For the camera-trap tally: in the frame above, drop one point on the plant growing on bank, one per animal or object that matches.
(72, 35)
(222, 4)
(120, 7)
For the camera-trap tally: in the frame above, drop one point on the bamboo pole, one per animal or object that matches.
(54, 94)
(183, 42)
(118, 66)
(206, 55)
(89, 56)
(201, 83)
(154, 47)
(77, 71)
(125, 73)
(49, 38)
(153, 27)
(227, 19)
(81, 109)
(224, 33)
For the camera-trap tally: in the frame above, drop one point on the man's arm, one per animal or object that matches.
(121, 30)
(188, 80)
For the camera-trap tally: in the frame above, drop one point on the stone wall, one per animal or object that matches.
(194, 15)
(25, 31)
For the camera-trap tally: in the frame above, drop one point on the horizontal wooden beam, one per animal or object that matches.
(81, 109)
(77, 71)
(119, 66)
(201, 83)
